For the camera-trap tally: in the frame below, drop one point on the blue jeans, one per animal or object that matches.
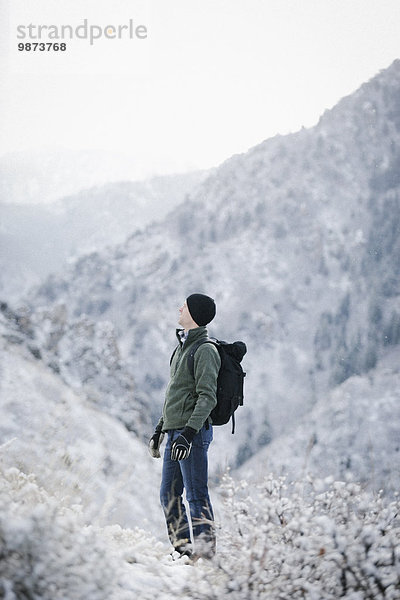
(190, 474)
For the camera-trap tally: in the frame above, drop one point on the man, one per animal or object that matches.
(188, 402)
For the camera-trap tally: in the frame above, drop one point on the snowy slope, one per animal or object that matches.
(85, 354)
(77, 453)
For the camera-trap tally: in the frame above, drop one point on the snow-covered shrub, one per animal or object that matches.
(46, 551)
(317, 540)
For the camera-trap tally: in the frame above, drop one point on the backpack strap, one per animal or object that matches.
(190, 358)
(190, 363)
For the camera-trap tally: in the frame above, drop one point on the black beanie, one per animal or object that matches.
(202, 308)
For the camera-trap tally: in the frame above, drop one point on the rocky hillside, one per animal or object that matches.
(77, 452)
(84, 355)
(297, 240)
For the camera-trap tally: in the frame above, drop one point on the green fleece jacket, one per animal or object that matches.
(189, 400)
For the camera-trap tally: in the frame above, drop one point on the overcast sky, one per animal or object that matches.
(212, 78)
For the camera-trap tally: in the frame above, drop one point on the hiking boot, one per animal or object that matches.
(205, 547)
(181, 551)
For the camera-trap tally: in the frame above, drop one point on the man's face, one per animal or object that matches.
(185, 319)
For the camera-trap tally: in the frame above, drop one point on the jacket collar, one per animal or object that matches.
(193, 334)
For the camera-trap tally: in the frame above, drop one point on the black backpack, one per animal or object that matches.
(230, 379)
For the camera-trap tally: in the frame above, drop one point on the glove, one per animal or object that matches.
(183, 444)
(155, 442)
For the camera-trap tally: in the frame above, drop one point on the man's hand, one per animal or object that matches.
(183, 444)
(155, 443)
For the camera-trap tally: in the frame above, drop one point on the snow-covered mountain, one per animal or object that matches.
(38, 239)
(354, 429)
(298, 242)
